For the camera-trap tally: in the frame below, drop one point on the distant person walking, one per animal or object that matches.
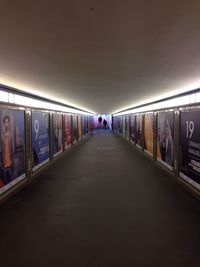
(105, 123)
(100, 119)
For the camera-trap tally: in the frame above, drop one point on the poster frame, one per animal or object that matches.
(55, 155)
(22, 179)
(181, 175)
(153, 137)
(46, 162)
(163, 163)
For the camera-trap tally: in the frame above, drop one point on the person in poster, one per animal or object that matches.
(68, 130)
(11, 146)
(79, 127)
(165, 137)
(132, 128)
(57, 134)
(75, 128)
(148, 133)
(85, 127)
(139, 130)
(40, 138)
(124, 126)
(127, 120)
(190, 146)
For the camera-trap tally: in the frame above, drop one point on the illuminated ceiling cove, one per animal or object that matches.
(100, 55)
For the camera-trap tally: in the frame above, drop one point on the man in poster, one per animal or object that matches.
(7, 151)
(165, 141)
(11, 146)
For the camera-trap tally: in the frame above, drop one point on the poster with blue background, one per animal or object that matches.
(12, 148)
(40, 139)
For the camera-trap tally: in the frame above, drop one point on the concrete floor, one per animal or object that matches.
(101, 204)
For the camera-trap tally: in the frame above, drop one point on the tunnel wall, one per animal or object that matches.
(31, 139)
(170, 137)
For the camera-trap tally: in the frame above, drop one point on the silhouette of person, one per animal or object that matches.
(105, 123)
(100, 119)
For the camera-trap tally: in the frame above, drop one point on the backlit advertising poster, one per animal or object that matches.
(75, 127)
(82, 126)
(190, 147)
(127, 127)
(165, 138)
(124, 126)
(139, 130)
(79, 127)
(148, 133)
(67, 130)
(102, 121)
(132, 128)
(85, 126)
(40, 139)
(116, 123)
(57, 134)
(12, 148)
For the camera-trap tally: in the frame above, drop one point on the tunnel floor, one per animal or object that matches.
(101, 204)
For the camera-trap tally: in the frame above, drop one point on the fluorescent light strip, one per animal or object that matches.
(34, 103)
(174, 102)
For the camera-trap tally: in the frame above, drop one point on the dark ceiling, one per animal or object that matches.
(101, 55)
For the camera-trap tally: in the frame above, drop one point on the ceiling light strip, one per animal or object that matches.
(169, 103)
(11, 98)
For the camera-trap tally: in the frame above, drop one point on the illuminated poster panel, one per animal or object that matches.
(132, 128)
(67, 130)
(120, 124)
(190, 147)
(40, 139)
(12, 148)
(85, 126)
(139, 130)
(127, 127)
(82, 126)
(165, 138)
(148, 133)
(124, 126)
(75, 127)
(79, 127)
(57, 134)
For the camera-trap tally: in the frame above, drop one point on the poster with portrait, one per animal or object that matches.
(82, 125)
(79, 127)
(75, 127)
(85, 125)
(120, 124)
(190, 147)
(57, 134)
(124, 126)
(148, 133)
(67, 130)
(12, 148)
(165, 138)
(132, 128)
(90, 124)
(40, 139)
(139, 130)
(127, 126)
(116, 123)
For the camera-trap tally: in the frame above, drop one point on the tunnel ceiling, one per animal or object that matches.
(102, 55)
